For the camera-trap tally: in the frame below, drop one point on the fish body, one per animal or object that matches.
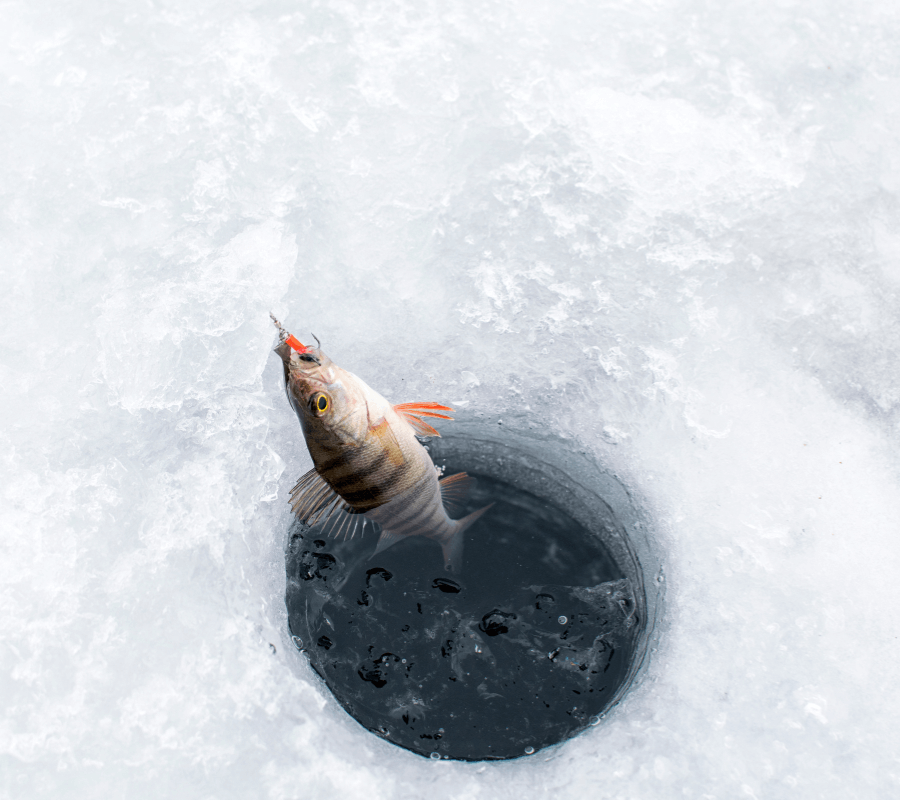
(368, 462)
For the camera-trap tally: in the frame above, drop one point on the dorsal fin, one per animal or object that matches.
(423, 409)
(413, 412)
(316, 503)
(454, 489)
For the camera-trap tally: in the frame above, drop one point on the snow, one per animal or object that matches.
(666, 230)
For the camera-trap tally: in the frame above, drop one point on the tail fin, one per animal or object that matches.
(453, 546)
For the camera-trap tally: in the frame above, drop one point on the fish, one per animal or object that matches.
(368, 463)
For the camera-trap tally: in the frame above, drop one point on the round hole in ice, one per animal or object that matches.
(538, 636)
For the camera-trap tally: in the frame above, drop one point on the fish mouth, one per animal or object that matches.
(284, 351)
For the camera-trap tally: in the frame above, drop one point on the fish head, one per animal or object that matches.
(327, 400)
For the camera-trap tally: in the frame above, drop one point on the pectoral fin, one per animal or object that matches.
(315, 502)
(387, 441)
(311, 496)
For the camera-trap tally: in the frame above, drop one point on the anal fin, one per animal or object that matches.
(387, 539)
(453, 545)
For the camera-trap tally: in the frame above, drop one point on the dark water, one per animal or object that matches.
(527, 646)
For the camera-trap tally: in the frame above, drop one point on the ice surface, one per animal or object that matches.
(667, 230)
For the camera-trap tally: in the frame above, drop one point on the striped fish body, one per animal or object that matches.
(368, 461)
(420, 511)
(372, 456)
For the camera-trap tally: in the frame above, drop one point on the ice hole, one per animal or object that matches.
(537, 638)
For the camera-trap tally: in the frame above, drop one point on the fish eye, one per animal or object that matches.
(320, 403)
(308, 357)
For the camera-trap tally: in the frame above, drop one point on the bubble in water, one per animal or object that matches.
(562, 620)
(529, 750)
(298, 642)
(435, 756)
(595, 720)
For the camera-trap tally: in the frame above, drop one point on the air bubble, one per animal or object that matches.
(594, 721)
(298, 642)
(562, 620)
(529, 750)
(435, 756)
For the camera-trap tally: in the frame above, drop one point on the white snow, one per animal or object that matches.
(668, 230)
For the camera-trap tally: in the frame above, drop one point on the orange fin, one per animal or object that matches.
(420, 427)
(412, 413)
(424, 407)
(454, 489)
